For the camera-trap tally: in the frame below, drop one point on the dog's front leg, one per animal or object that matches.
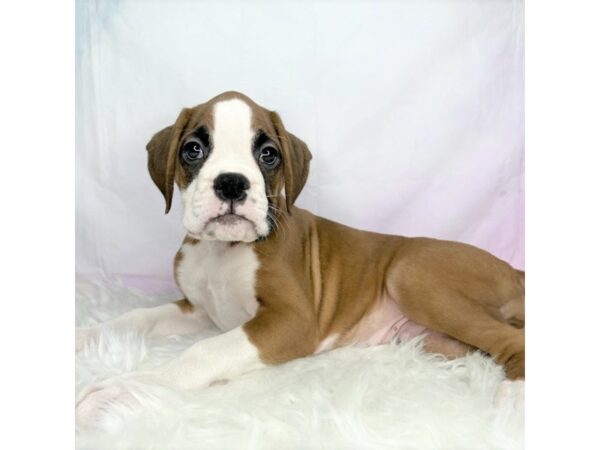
(179, 317)
(269, 338)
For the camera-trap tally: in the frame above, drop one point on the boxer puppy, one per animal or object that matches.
(282, 283)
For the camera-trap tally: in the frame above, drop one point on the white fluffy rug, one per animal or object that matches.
(390, 396)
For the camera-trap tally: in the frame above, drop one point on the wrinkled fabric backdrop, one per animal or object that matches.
(413, 111)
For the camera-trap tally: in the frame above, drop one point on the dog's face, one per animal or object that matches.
(232, 161)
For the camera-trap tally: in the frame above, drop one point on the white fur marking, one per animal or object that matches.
(220, 279)
(232, 139)
(219, 358)
(327, 343)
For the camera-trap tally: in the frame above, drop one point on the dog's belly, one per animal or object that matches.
(219, 278)
(384, 323)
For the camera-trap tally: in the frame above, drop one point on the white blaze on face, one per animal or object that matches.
(232, 139)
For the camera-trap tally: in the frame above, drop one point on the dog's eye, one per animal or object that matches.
(193, 151)
(269, 156)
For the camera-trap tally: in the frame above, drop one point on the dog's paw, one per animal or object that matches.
(99, 399)
(117, 394)
(515, 366)
(511, 392)
(84, 336)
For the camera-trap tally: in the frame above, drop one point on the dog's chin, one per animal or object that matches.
(228, 228)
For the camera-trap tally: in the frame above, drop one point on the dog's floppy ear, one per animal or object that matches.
(162, 155)
(296, 161)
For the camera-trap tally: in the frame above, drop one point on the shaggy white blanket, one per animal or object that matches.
(391, 396)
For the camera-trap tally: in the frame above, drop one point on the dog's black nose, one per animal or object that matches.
(231, 186)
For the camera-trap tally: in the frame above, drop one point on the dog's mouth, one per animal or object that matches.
(227, 227)
(229, 219)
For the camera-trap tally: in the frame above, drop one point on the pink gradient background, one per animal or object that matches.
(413, 111)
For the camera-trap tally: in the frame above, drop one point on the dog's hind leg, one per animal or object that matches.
(179, 317)
(467, 321)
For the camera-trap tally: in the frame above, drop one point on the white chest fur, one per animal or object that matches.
(220, 279)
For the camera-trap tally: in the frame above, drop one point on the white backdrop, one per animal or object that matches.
(413, 111)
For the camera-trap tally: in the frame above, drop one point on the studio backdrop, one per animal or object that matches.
(413, 111)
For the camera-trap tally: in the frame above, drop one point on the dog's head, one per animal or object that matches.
(236, 166)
